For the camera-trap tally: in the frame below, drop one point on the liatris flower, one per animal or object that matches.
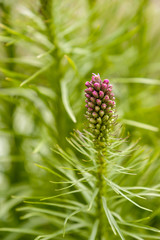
(100, 106)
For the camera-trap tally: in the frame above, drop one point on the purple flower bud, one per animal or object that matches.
(90, 109)
(95, 94)
(97, 86)
(87, 95)
(86, 105)
(111, 94)
(113, 103)
(89, 90)
(93, 99)
(101, 94)
(106, 81)
(94, 114)
(106, 98)
(104, 87)
(98, 101)
(101, 113)
(103, 106)
(110, 86)
(97, 108)
(88, 84)
(95, 78)
(109, 90)
(86, 101)
(90, 104)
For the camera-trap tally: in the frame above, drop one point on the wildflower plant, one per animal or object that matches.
(98, 183)
(94, 199)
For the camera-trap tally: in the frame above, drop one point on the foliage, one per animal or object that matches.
(48, 51)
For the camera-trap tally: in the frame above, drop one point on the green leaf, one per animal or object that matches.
(65, 99)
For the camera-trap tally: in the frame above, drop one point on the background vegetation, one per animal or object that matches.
(49, 49)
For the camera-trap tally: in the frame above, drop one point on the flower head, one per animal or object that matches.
(100, 106)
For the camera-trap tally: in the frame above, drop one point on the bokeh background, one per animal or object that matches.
(48, 49)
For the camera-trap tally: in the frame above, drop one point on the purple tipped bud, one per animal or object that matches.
(101, 113)
(113, 103)
(104, 87)
(93, 99)
(106, 81)
(110, 102)
(97, 108)
(111, 94)
(97, 86)
(86, 101)
(89, 90)
(110, 86)
(90, 104)
(109, 90)
(95, 78)
(90, 109)
(106, 98)
(95, 94)
(86, 105)
(88, 84)
(101, 94)
(87, 95)
(94, 114)
(103, 106)
(98, 101)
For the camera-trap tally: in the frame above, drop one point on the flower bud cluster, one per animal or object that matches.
(100, 106)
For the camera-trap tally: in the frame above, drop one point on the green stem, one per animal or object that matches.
(101, 172)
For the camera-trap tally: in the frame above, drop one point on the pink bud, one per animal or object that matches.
(86, 101)
(101, 94)
(90, 104)
(94, 114)
(88, 90)
(97, 108)
(97, 86)
(87, 95)
(93, 99)
(106, 81)
(104, 87)
(101, 113)
(88, 84)
(95, 94)
(90, 109)
(98, 101)
(106, 98)
(86, 105)
(103, 106)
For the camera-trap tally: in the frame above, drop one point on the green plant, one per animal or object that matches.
(48, 51)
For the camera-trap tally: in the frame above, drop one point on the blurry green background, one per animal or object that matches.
(48, 49)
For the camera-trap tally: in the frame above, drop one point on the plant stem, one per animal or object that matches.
(101, 172)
